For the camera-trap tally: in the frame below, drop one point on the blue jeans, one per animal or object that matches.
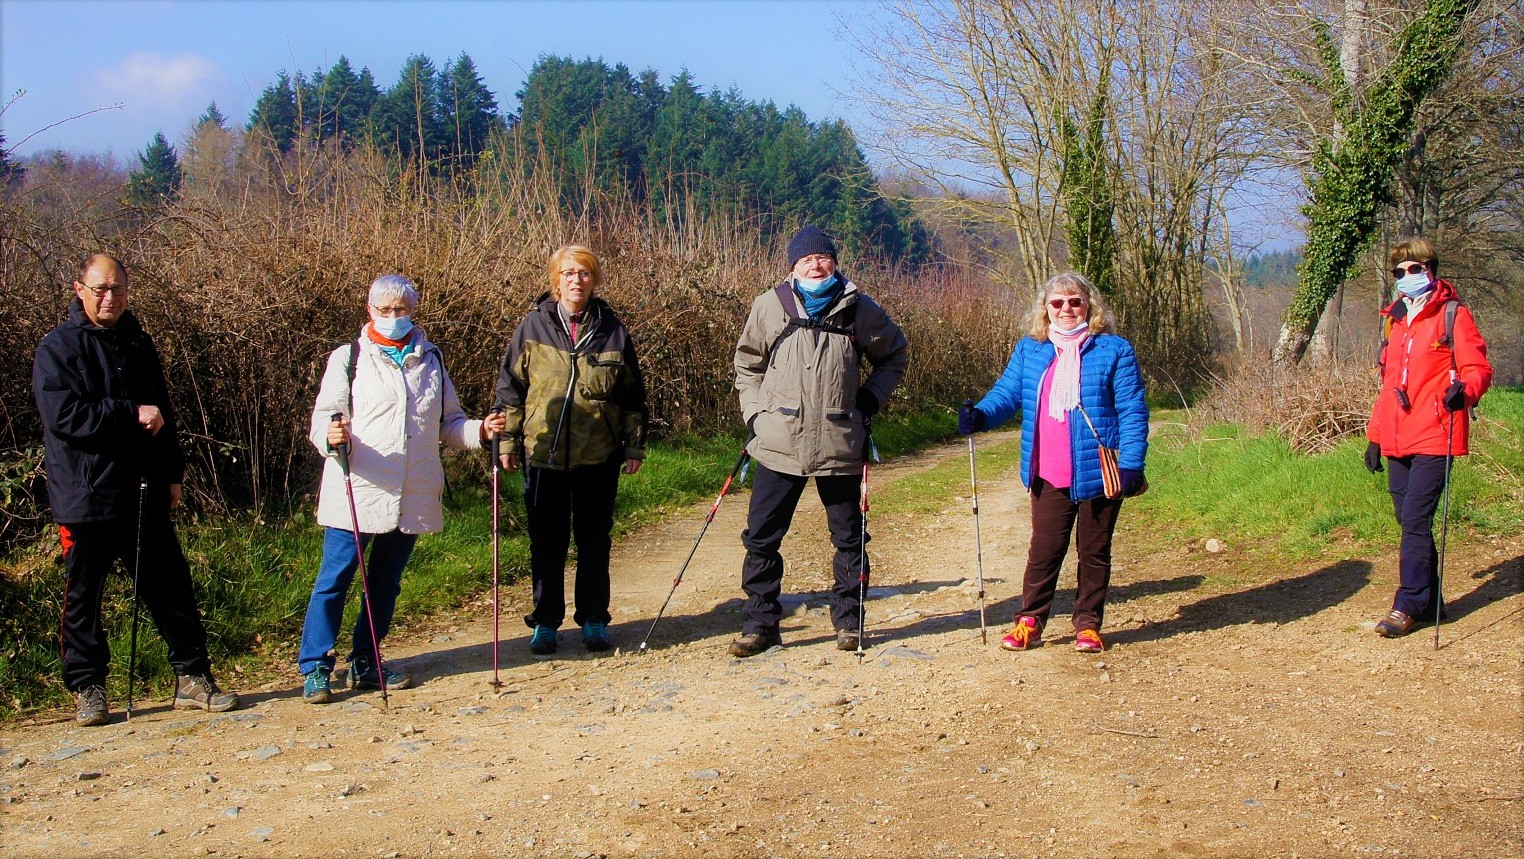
(325, 611)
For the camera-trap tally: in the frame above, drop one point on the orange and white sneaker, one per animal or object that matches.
(1088, 641)
(1025, 636)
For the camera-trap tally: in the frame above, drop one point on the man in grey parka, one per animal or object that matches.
(800, 377)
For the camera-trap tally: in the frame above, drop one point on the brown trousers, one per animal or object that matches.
(1053, 520)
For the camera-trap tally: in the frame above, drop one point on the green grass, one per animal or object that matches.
(254, 577)
(1257, 489)
(928, 491)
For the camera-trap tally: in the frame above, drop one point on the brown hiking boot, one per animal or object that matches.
(200, 692)
(90, 707)
(847, 639)
(753, 643)
(1395, 625)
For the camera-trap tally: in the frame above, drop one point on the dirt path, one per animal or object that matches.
(1228, 718)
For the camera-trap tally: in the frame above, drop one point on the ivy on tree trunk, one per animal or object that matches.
(1348, 185)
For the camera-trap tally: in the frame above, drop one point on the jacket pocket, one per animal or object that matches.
(843, 438)
(777, 427)
(601, 377)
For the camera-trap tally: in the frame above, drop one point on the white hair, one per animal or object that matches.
(390, 287)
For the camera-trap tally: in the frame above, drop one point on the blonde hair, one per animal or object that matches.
(1069, 283)
(580, 254)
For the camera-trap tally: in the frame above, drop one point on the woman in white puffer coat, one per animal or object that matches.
(396, 404)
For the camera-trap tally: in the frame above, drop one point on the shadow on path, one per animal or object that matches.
(1281, 601)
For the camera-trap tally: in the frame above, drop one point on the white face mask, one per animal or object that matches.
(815, 286)
(392, 327)
(1414, 285)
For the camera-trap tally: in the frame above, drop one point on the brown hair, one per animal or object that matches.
(1069, 283)
(1417, 249)
(583, 256)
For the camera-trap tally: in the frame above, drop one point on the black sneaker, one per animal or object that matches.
(199, 691)
(90, 707)
(753, 643)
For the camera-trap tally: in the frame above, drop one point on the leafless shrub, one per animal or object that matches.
(254, 275)
(1314, 405)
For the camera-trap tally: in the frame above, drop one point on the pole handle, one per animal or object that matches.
(342, 449)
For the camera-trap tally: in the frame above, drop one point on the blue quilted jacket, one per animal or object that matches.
(1111, 390)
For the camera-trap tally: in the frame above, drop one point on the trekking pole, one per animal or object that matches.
(137, 569)
(1444, 527)
(862, 551)
(496, 450)
(973, 481)
(354, 519)
(741, 462)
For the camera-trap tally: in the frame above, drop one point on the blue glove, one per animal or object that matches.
(970, 420)
(1132, 482)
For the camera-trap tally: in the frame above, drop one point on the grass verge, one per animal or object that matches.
(254, 576)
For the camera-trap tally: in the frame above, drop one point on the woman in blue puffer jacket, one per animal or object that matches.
(1077, 386)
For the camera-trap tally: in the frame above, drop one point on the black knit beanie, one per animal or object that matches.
(809, 240)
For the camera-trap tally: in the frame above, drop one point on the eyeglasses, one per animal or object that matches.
(392, 311)
(100, 291)
(1073, 301)
(1410, 268)
(576, 274)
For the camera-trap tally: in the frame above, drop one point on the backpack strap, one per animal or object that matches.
(349, 374)
(1451, 307)
(797, 319)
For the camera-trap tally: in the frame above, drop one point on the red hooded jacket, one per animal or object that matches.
(1416, 359)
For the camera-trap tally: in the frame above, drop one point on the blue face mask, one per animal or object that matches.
(392, 327)
(1414, 285)
(815, 287)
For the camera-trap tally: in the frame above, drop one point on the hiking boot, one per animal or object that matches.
(543, 642)
(1025, 636)
(753, 643)
(1395, 625)
(200, 692)
(847, 639)
(595, 636)
(1088, 641)
(90, 707)
(318, 687)
(362, 675)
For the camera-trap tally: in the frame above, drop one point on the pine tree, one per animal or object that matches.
(213, 116)
(345, 101)
(275, 113)
(469, 110)
(407, 118)
(11, 172)
(157, 179)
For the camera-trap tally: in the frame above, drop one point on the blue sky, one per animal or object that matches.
(163, 61)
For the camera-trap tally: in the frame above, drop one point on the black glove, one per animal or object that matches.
(1455, 396)
(1132, 481)
(970, 420)
(866, 403)
(1373, 458)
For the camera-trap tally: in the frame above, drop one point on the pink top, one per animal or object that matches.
(1055, 461)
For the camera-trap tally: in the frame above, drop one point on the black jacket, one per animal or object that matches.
(89, 382)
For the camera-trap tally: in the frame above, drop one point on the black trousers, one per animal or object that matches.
(774, 497)
(563, 505)
(1054, 517)
(1416, 483)
(164, 587)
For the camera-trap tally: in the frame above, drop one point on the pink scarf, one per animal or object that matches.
(1066, 370)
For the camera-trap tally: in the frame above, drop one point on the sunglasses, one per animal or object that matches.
(1411, 268)
(1072, 301)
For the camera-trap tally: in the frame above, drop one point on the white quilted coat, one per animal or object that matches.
(400, 417)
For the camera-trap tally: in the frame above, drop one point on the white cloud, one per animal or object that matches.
(154, 83)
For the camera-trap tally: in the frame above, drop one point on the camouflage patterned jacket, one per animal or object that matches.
(570, 405)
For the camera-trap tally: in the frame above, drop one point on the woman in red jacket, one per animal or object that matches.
(1421, 418)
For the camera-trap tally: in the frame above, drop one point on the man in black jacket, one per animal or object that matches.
(114, 470)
